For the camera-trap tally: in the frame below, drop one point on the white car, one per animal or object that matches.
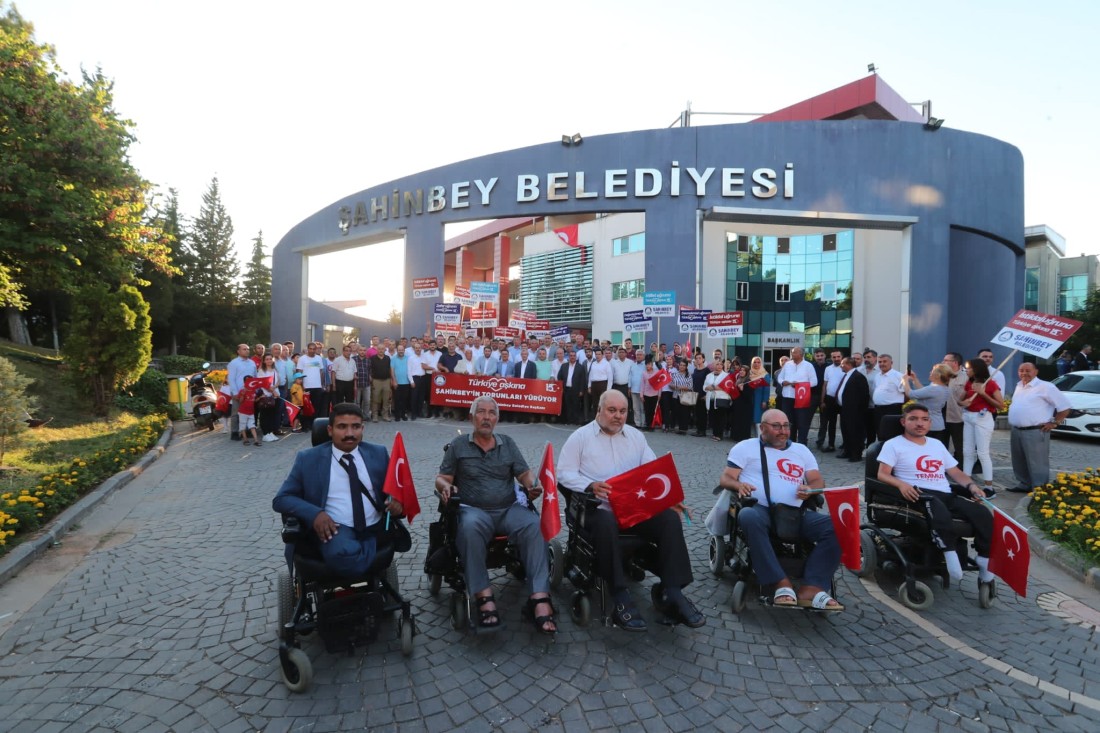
(1083, 392)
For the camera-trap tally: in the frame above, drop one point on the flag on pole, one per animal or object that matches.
(844, 510)
(659, 379)
(658, 419)
(1009, 553)
(260, 382)
(801, 395)
(729, 386)
(399, 481)
(223, 405)
(550, 520)
(292, 411)
(570, 235)
(645, 491)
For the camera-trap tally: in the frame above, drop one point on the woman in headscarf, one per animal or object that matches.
(760, 389)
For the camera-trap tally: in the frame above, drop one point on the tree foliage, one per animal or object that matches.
(394, 317)
(1089, 333)
(110, 342)
(15, 403)
(71, 204)
(214, 268)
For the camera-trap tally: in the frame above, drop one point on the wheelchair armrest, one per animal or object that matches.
(964, 492)
(814, 502)
(744, 502)
(292, 529)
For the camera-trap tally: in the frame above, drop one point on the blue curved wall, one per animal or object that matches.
(964, 189)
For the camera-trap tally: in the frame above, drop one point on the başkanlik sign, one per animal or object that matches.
(729, 182)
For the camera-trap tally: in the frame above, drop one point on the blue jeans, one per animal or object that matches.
(821, 565)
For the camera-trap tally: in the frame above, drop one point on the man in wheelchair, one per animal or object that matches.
(781, 476)
(336, 489)
(603, 449)
(481, 469)
(918, 467)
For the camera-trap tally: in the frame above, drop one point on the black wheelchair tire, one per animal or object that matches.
(297, 670)
(405, 631)
(986, 594)
(580, 610)
(460, 611)
(717, 555)
(285, 586)
(556, 558)
(922, 600)
(868, 560)
(435, 583)
(737, 598)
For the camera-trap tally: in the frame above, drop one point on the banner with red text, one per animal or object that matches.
(511, 393)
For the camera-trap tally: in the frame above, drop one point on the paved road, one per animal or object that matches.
(159, 614)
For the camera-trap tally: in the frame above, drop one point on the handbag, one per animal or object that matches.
(786, 519)
(689, 398)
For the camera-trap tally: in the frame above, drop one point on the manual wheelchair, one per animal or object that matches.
(442, 563)
(897, 537)
(577, 562)
(345, 611)
(730, 552)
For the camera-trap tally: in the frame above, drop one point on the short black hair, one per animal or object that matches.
(914, 407)
(347, 408)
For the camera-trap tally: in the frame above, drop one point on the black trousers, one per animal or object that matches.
(624, 390)
(573, 405)
(650, 405)
(701, 415)
(420, 395)
(829, 414)
(955, 434)
(673, 563)
(402, 401)
(345, 391)
(882, 411)
(941, 507)
(852, 427)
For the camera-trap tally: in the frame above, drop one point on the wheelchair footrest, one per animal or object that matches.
(346, 621)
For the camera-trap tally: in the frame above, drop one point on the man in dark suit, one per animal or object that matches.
(525, 369)
(1081, 362)
(852, 396)
(574, 378)
(336, 489)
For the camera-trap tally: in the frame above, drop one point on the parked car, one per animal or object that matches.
(1083, 391)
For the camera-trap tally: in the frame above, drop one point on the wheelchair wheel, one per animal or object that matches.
(986, 594)
(921, 600)
(737, 599)
(460, 612)
(285, 585)
(580, 610)
(297, 670)
(717, 555)
(435, 582)
(556, 558)
(405, 631)
(868, 560)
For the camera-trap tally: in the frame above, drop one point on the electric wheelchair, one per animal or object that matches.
(577, 562)
(730, 552)
(897, 537)
(345, 611)
(442, 563)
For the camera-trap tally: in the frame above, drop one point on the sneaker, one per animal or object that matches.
(270, 438)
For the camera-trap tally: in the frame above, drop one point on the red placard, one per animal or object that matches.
(511, 393)
(483, 317)
(425, 282)
(505, 332)
(538, 325)
(727, 318)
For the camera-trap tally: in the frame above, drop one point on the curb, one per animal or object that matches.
(1052, 552)
(27, 552)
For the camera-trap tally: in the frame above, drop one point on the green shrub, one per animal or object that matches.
(146, 396)
(179, 364)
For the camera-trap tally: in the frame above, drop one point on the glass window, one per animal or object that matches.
(742, 291)
(768, 243)
(782, 292)
(828, 243)
(1031, 288)
(1072, 293)
(628, 244)
(628, 289)
(783, 245)
(828, 291)
(617, 338)
(845, 241)
(743, 244)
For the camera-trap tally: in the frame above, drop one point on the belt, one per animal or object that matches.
(1029, 427)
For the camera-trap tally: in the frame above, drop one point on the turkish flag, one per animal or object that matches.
(757, 383)
(570, 235)
(399, 480)
(645, 491)
(659, 379)
(1009, 554)
(292, 411)
(222, 405)
(844, 510)
(658, 418)
(729, 386)
(259, 382)
(801, 395)
(550, 521)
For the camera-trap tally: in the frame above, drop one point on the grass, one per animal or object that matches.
(47, 468)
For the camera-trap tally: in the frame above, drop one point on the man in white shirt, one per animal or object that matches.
(344, 372)
(1037, 408)
(995, 374)
(419, 381)
(792, 472)
(599, 376)
(603, 449)
(887, 392)
(918, 468)
(620, 373)
(429, 362)
(794, 372)
(555, 365)
(829, 408)
(311, 364)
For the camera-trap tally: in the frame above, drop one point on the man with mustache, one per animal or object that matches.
(336, 489)
(481, 470)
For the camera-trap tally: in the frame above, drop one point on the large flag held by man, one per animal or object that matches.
(643, 492)
(399, 481)
(1009, 553)
(550, 520)
(844, 510)
(801, 395)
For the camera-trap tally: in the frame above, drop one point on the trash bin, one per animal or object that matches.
(177, 392)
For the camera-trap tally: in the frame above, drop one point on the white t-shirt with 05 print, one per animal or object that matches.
(787, 469)
(924, 466)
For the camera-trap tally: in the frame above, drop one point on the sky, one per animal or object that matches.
(295, 105)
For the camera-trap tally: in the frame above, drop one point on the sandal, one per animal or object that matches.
(785, 597)
(540, 622)
(246, 442)
(821, 602)
(487, 619)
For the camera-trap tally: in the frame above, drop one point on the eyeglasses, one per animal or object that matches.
(778, 425)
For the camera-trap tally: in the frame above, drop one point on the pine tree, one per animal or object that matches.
(257, 276)
(15, 404)
(214, 270)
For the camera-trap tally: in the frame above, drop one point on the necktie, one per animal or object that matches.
(347, 462)
(840, 389)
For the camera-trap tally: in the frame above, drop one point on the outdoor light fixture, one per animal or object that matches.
(933, 123)
(870, 68)
(566, 140)
(574, 139)
(577, 139)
